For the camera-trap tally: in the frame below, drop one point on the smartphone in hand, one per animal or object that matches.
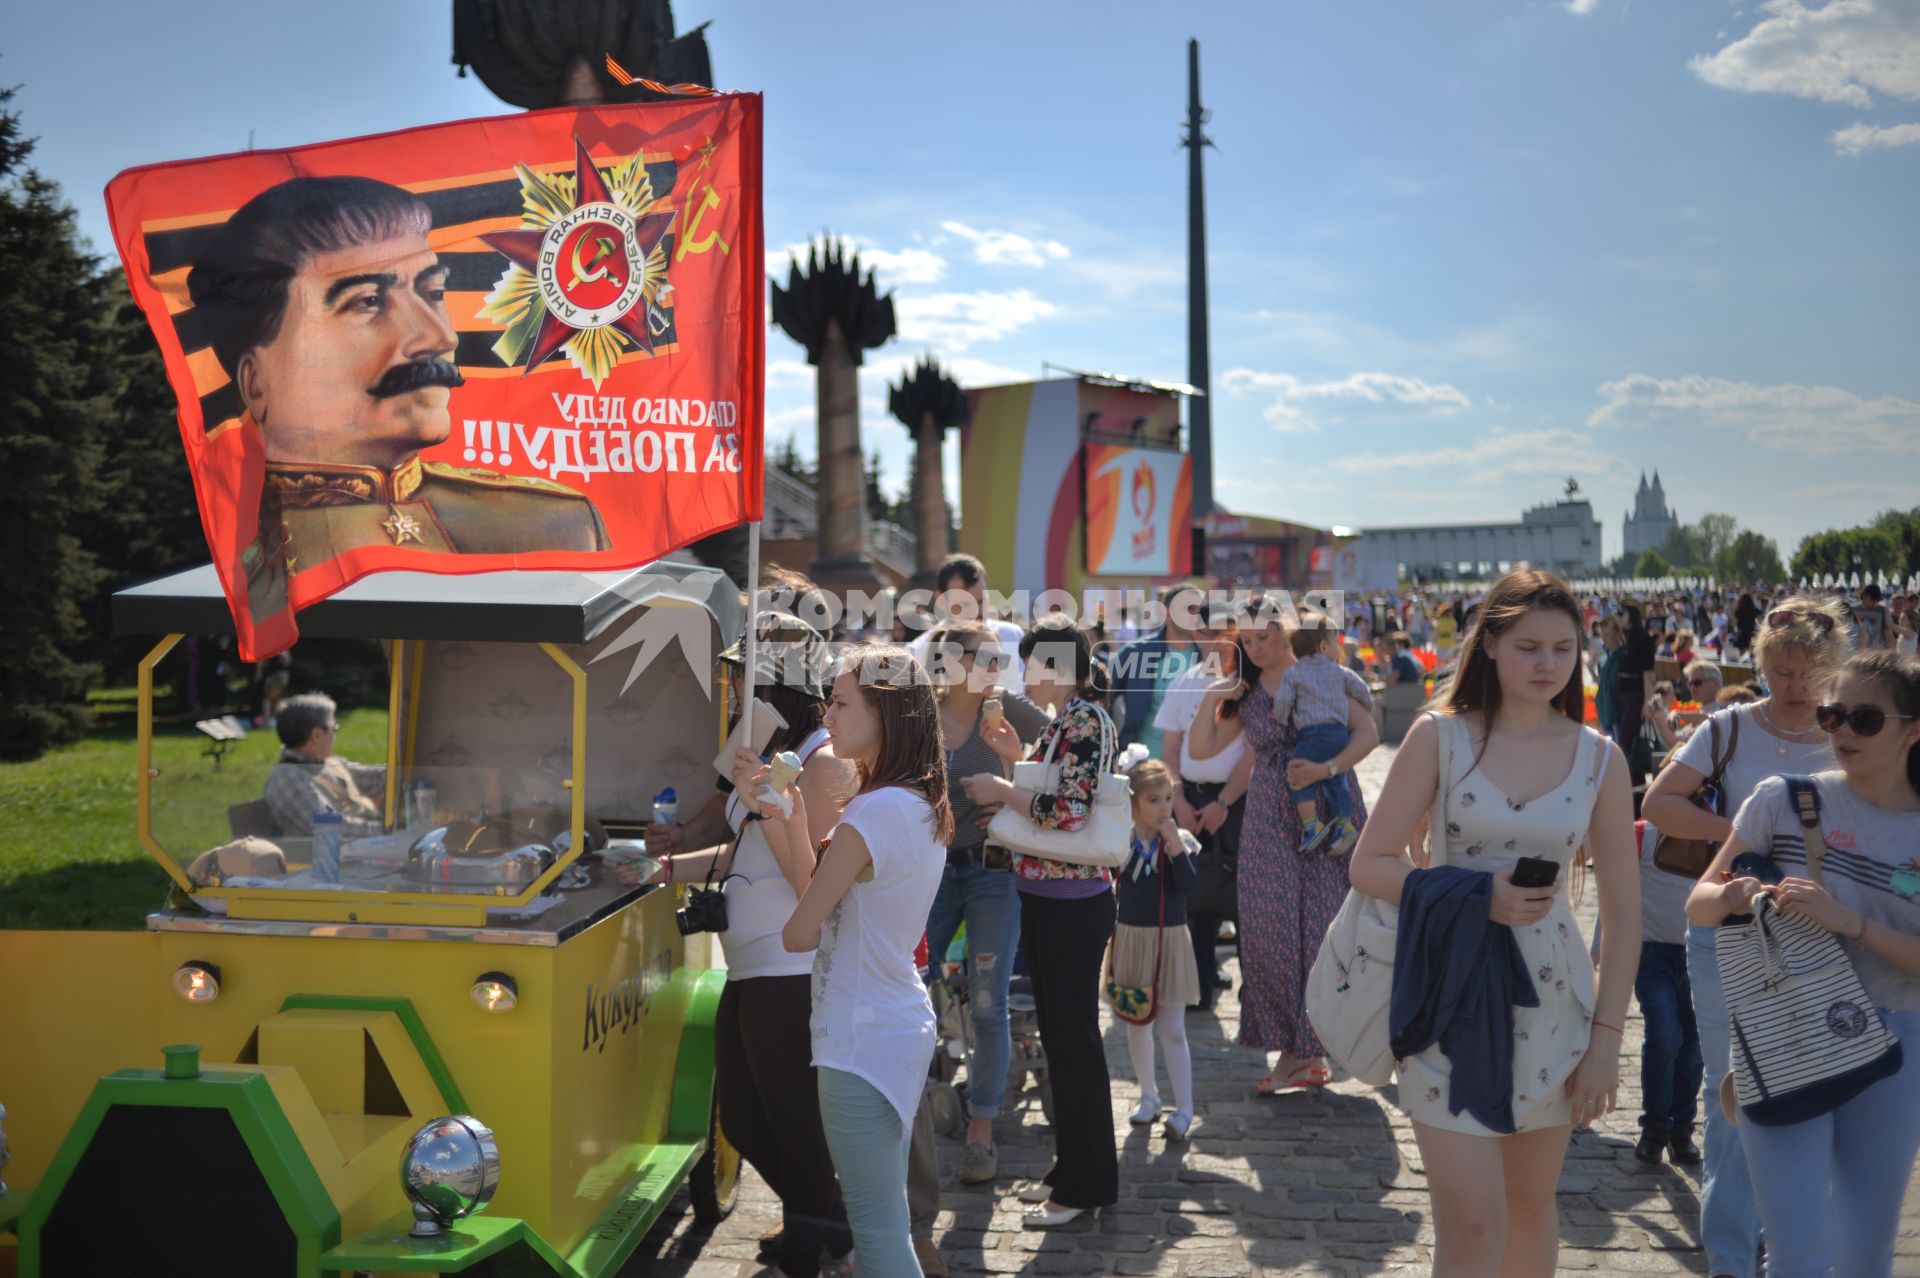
(1535, 872)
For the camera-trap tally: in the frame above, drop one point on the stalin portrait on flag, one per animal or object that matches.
(531, 342)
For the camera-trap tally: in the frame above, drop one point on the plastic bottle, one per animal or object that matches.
(666, 807)
(328, 832)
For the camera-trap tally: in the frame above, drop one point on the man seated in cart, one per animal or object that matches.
(310, 776)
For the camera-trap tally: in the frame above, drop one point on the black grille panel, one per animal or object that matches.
(165, 1192)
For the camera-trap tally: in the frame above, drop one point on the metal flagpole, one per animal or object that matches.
(753, 635)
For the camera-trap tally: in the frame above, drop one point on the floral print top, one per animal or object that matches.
(1082, 740)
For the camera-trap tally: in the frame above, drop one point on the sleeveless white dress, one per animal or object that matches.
(1486, 830)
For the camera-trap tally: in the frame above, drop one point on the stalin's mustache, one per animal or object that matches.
(404, 379)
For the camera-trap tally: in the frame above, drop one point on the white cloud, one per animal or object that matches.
(1287, 393)
(955, 321)
(890, 267)
(1858, 139)
(1844, 51)
(996, 247)
(789, 420)
(1582, 6)
(1491, 458)
(1815, 421)
(968, 371)
(782, 373)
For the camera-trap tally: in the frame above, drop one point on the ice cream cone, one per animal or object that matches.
(785, 767)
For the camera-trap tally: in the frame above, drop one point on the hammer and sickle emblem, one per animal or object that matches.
(592, 270)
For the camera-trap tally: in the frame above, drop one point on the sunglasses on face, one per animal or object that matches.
(1787, 616)
(1699, 681)
(1866, 721)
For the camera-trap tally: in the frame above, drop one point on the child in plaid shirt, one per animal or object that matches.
(1313, 696)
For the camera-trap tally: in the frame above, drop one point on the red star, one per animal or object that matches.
(522, 248)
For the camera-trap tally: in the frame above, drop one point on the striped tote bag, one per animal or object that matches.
(1806, 1038)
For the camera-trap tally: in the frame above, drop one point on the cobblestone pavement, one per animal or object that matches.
(1302, 1184)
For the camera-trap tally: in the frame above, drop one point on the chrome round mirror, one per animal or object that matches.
(450, 1169)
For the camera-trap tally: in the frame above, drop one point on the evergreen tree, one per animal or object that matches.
(786, 457)
(877, 507)
(148, 521)
(56, 399)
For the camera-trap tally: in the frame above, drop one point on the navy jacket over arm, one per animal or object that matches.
(1457, 976)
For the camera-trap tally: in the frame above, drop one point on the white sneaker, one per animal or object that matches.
(1145, 1112)
(1036, 1193)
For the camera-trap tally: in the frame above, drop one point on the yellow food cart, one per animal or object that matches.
(488, 949)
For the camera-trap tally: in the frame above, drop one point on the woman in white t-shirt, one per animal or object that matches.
(1830, 1187)
(1201, 742)
(763, 1081)
(1797, 648)
(862, 916)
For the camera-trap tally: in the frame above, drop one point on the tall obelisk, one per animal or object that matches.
(1199, 375)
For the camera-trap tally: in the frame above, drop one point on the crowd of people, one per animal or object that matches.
(1238, 746)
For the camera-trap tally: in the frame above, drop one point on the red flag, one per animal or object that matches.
(536, 341)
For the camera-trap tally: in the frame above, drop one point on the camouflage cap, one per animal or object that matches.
(790, 652)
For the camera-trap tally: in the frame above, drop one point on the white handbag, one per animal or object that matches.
(1104, 839)
(1806, 1037)
(1350, 987)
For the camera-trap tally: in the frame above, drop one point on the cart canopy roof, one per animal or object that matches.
(503, 607)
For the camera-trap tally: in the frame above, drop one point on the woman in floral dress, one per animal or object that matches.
(1287, 901)
(1066, 921)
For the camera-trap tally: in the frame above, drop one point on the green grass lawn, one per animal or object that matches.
(69, 857)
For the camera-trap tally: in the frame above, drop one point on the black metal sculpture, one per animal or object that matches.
(838, 316)
(544, 53)
(930, 404)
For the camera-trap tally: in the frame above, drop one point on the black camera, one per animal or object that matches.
(705, 911)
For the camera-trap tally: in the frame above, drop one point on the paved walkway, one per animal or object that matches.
(1302, 1184)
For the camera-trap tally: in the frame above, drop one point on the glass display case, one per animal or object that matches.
(530, 719)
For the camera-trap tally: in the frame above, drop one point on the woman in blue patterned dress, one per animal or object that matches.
(1287, 901)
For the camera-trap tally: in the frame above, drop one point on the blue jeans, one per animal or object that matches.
(1670, 1065)
(869, 1150)
(1319, 743)
(1729, 1220)
(990, 904)
(1830, 1188)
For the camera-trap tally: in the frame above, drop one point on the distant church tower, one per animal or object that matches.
(1649, 522)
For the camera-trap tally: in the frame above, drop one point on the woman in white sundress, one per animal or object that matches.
(1526, 779)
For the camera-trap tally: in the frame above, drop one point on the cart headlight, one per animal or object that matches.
(197, 982)
(450, 1170)
(495, 992)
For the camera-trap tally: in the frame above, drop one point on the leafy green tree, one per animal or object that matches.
(1651, 564)
(1904, 527)
(1714, 533)
(1748, 557)
(56, 396)
(1683, 549)
(1867, 551)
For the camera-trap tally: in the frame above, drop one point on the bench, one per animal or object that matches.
(222, 735)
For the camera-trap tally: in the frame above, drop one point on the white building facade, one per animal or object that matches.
(1563, 537)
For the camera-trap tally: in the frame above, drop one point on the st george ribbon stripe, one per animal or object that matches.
(483, 201)
(472, 272)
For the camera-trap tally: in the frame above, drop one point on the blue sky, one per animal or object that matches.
(1460, 249)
